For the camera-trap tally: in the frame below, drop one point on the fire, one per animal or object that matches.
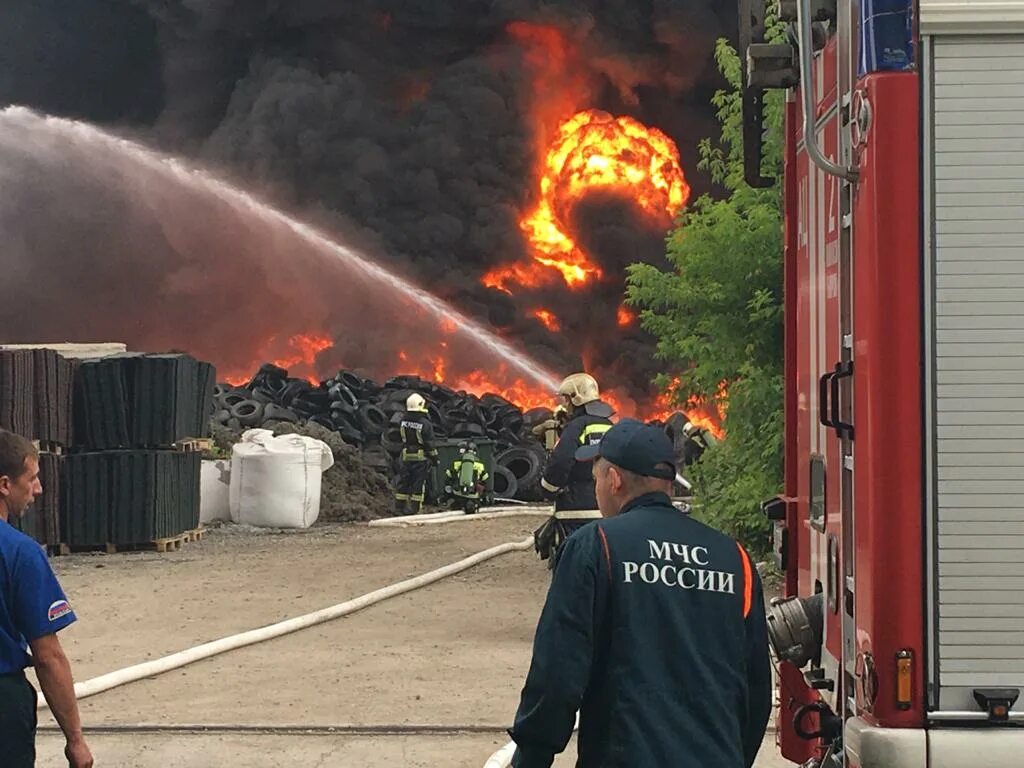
(550, 321)
(592, 150)
(304, 347)
(626, 316)
(308, 346)
(518, 391)
(519, 274)
(439, 371)
(699, 411)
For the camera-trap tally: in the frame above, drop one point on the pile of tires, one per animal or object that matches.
(366, 415)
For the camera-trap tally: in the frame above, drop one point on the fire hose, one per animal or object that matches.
(457, 515)
(232, 642)
(503, 757)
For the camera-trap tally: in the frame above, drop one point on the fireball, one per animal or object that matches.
(592, 151)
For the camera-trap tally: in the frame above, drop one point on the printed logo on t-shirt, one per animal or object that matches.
(58, 609)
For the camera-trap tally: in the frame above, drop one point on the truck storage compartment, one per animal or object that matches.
(974, 257)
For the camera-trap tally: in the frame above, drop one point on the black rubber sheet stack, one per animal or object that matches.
(52, 379)
(130, 497)
(42, 520)
(35, 395)
(100, 404)
(17, 392)
(142, 401)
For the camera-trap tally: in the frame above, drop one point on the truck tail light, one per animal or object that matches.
(904, 678)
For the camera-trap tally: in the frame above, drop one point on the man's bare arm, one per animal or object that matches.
(54, 672)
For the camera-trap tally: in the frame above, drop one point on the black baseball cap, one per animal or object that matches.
(636, 447)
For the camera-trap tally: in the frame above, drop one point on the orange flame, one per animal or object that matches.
(548, 318)
(593, 150)
(626, 316)
(520, 392)
(499, 382)
(700, 412)
(518, 274)
(305, 347)
(439, 367)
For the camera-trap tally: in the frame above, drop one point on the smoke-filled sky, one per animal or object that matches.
(410, 127)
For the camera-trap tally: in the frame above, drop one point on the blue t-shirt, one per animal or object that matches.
(32, 604)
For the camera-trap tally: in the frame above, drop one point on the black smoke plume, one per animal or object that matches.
(404, 126)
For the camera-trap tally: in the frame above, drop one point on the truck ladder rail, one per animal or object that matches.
(806, 54)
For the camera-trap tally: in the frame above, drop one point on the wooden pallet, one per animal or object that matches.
(193, 444)
(196, 534)
(167, 544)
(46, 446)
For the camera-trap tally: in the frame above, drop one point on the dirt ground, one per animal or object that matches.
(431, 678)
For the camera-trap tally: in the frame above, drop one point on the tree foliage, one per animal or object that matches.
(717, 315)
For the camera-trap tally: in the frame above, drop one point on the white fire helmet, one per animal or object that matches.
(580, 388)
(415, 402)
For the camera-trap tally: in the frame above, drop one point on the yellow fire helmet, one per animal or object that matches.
(580, 388)
(415, 402)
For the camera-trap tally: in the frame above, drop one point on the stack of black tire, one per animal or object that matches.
(35, 402)
(126, 480)
(366, 415)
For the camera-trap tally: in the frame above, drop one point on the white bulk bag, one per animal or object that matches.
(275, 481)
(214, 490)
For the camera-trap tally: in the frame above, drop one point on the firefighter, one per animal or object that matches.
(418, 454)
(566, 480)
(654, 630)
(698, 440)
(466, 479)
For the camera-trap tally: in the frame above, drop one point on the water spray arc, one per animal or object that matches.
(15, 120)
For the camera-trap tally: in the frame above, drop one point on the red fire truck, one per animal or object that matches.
(901, 527)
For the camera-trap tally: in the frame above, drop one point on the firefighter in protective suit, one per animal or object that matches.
(698, 440)
(466, 479)
(418, 453)
(565, 479)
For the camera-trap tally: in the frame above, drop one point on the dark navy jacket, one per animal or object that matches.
(417, 436)
(654, 629)
(574, 479)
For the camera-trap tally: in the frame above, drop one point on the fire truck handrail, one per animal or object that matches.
(805, 44)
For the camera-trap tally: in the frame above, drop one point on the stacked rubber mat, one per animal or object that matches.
(53, 376)
(108, 429)
(35, 401)
(134, 400)
(125, 484)
(35, 395)
(127, 497)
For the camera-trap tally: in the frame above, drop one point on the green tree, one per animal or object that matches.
(717, 316)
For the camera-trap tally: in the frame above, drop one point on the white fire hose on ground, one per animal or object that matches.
(503, 757)
(457, 516)
(206, 650)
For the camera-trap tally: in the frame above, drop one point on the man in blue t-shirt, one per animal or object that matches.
(33, 608)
